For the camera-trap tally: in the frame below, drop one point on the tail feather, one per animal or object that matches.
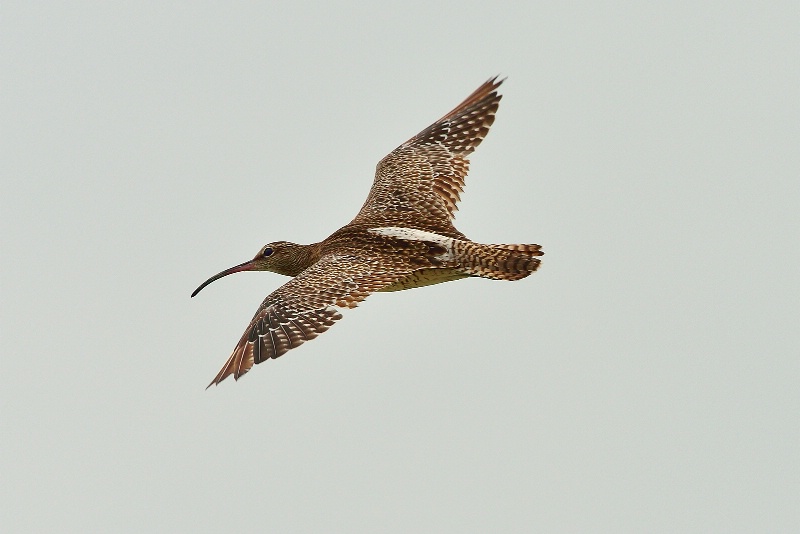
(500, 262)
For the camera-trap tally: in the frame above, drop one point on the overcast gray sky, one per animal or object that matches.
(644, 380)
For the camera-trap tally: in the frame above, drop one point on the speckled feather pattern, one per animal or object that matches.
(303, 308)
(402, 238)
(419, 184)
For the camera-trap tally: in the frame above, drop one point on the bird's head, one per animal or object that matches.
(279, 257)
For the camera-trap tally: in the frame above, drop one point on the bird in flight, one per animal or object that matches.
(402, 238)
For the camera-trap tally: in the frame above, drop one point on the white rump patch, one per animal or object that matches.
(412, 234)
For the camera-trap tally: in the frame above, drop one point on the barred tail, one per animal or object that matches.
(499, 262)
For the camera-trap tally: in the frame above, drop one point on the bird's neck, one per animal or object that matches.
(300, 258)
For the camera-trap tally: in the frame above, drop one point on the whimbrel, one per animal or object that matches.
(402, 238)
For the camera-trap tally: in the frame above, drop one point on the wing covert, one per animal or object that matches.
(305, 307)
(423, 178)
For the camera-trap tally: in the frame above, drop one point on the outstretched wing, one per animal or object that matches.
(422, 179)
(305, 307)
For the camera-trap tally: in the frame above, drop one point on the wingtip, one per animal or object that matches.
(222, 375)
(216, 381)
(493, 83)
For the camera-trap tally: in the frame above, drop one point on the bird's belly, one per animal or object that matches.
(425, 277)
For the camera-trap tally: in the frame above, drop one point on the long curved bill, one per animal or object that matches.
(246, 266)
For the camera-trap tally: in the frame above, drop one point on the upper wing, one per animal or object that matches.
(303, 308)
(422, 179)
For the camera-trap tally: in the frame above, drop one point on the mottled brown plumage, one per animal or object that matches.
(402, 238)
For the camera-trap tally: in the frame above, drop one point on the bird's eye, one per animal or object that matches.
(267, 252)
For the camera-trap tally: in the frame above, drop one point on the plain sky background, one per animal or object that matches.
(644, 380)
